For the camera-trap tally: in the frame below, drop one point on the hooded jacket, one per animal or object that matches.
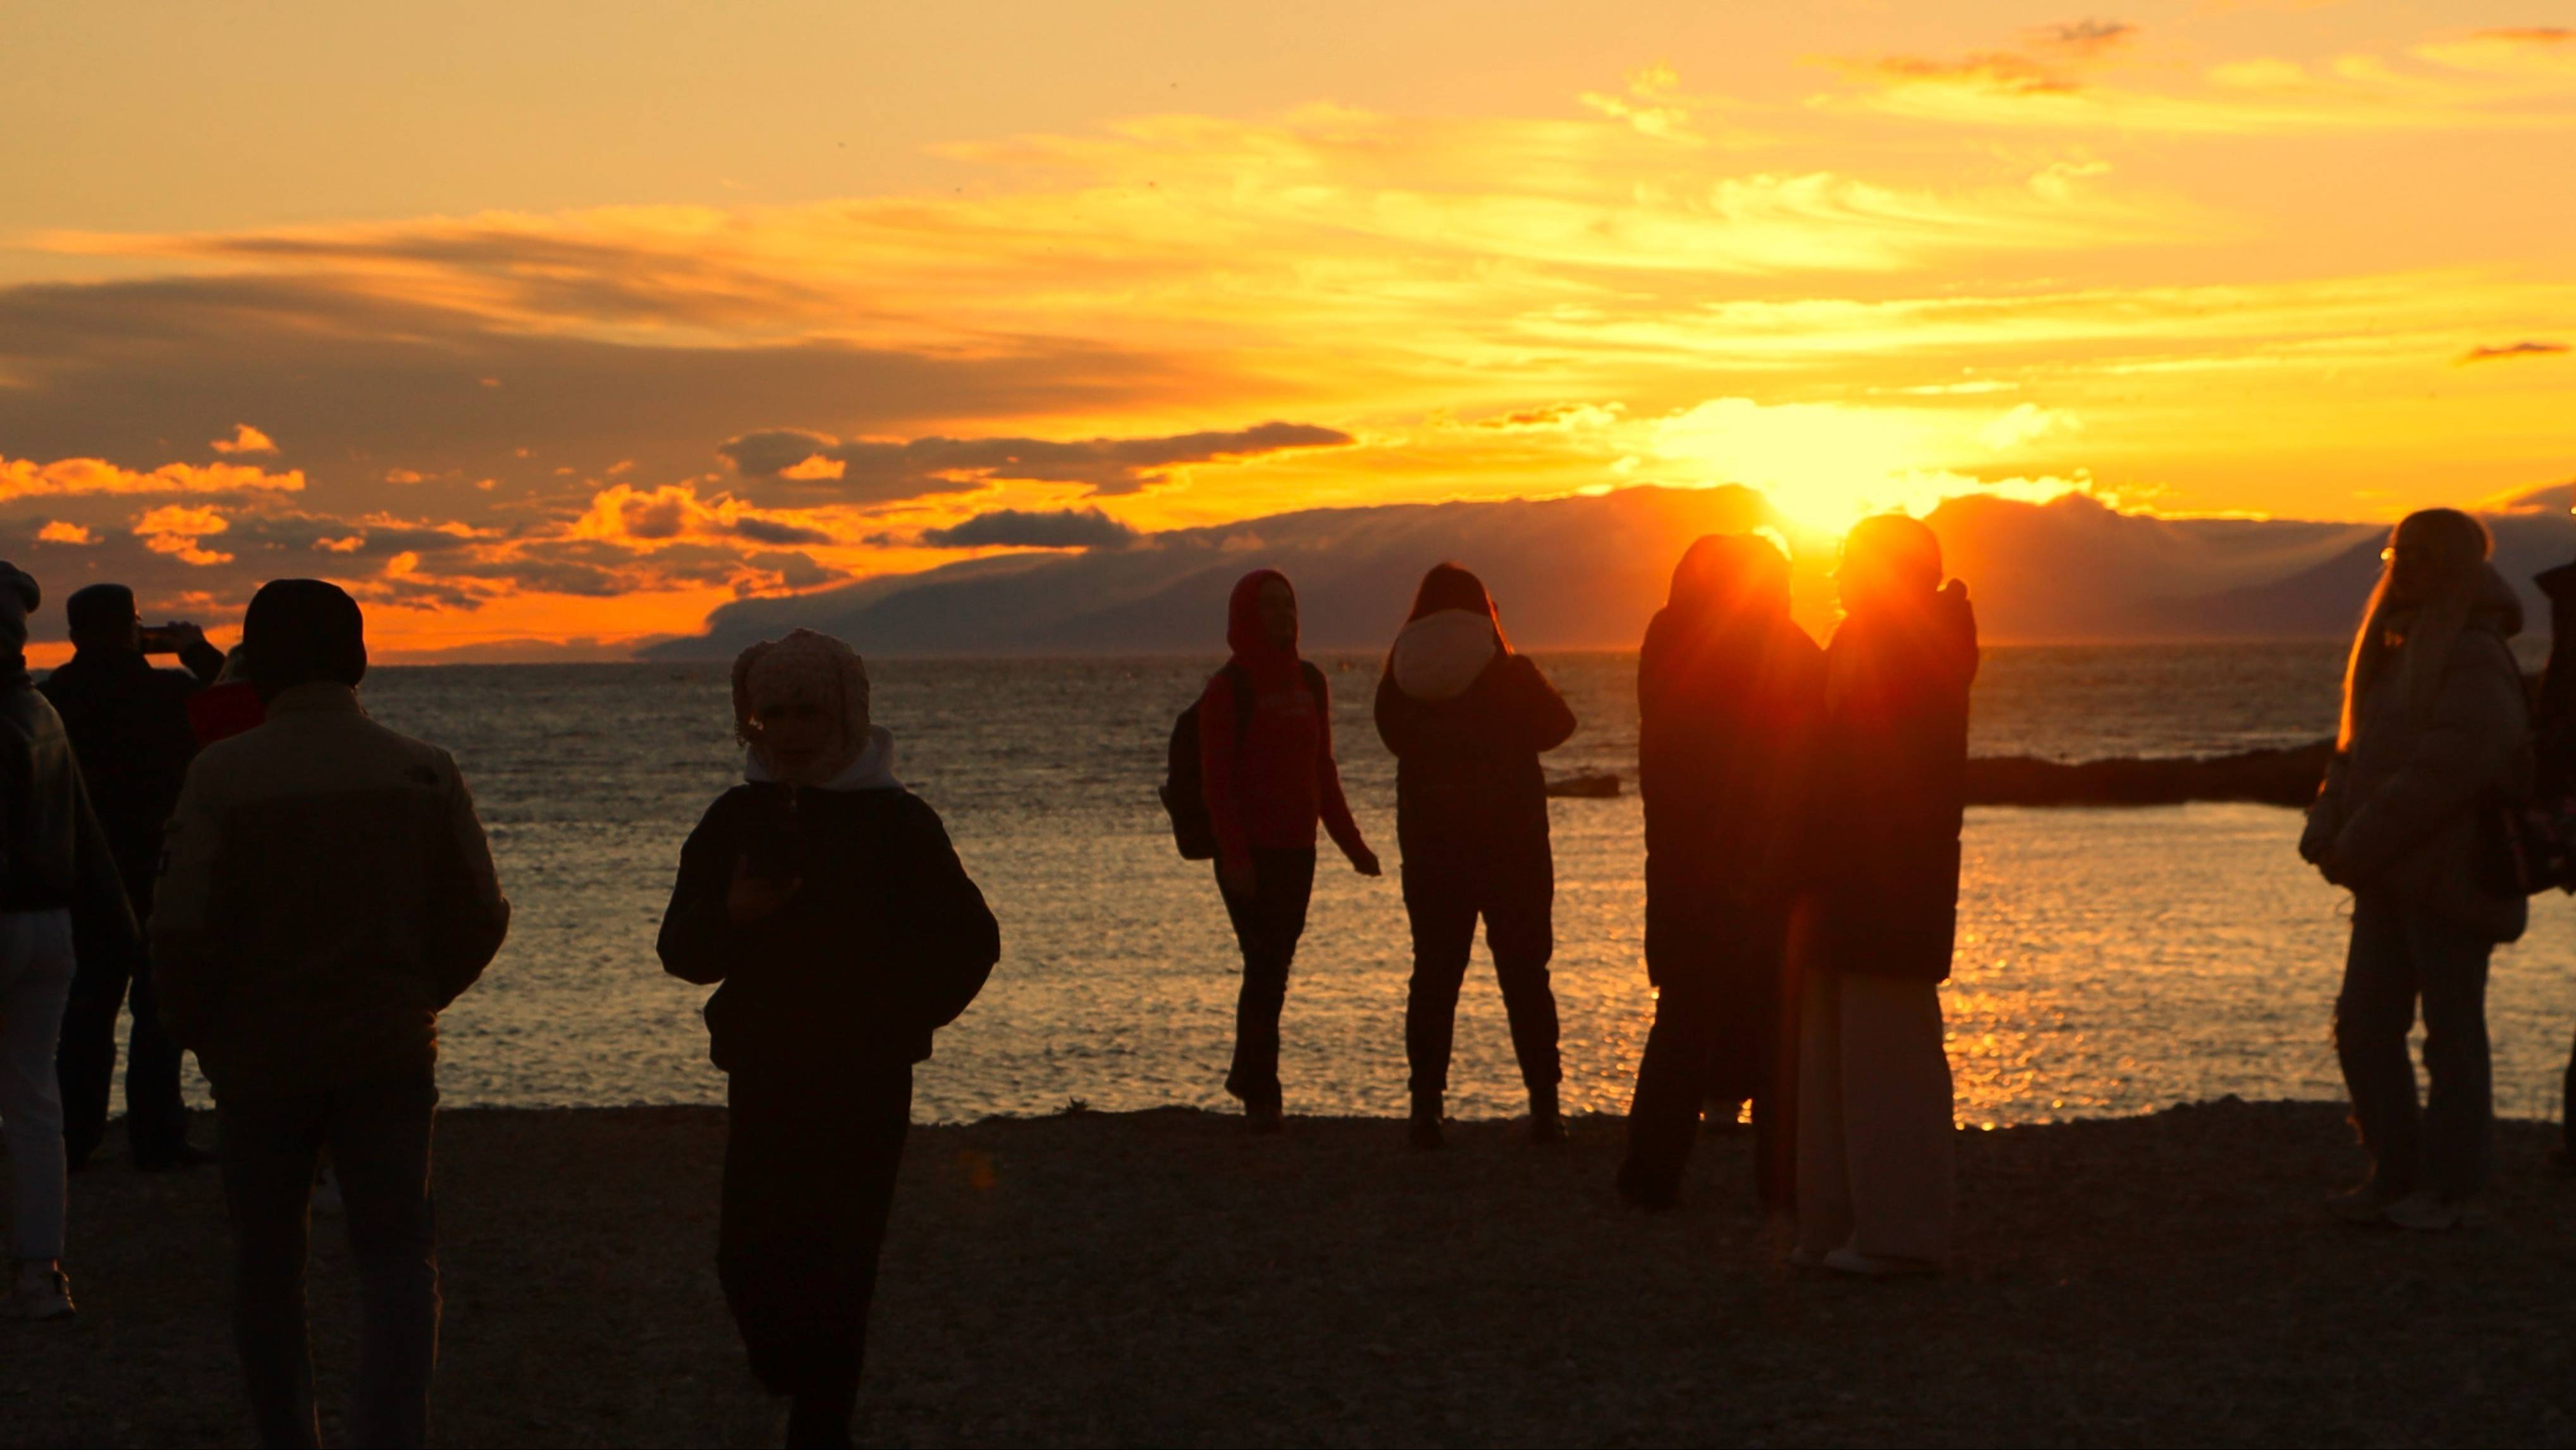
(1892, 786)
(1727, 710)
(886, 940)
(326, 891)
(1269, 793)
(1467, 719)
(2404, 810)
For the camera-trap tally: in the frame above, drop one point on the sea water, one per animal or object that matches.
(2109, 960)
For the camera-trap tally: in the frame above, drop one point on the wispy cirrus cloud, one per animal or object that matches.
(2482, 80)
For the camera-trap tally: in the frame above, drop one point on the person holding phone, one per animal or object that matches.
(129, 726)
(825, 900)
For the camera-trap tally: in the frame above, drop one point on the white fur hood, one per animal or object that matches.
(873, 770)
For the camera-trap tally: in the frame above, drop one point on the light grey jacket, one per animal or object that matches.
(2409, 810)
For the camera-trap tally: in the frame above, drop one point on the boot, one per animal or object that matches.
(1546, 1124)
(1423, 1131)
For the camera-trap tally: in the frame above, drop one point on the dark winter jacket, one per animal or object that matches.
(53, 855)
(1726, 725)
(1892, 787)
(128, 723)
(1467, 781)
(327, 891)
(887, 939)
(2556, 743)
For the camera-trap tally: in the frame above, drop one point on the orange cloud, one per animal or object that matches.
(56, 531)
(176, 529)
(2487, 80)
(245, 439)
(2526, 348)
(74, 477)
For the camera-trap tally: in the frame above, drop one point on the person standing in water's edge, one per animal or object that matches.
(2435, 731)
(1270, 777)
(1467, 719)
(827, 900)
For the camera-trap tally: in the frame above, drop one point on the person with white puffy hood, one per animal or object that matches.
(827, 900)
(1467, 719)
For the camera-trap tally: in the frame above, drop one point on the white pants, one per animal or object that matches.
(1876, 1146)
(35, 980)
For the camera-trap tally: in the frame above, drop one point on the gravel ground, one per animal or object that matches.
(1161, 1278)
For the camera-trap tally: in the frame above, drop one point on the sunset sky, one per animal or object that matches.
(575, 321)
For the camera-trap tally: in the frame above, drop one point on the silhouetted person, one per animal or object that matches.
(827, 900)
(1728, 693)
(2556, 755)
(55, 869)
(128, 723)
(2435, 730)
(327, 892)
(1266, 755)
(1876, 1173)
(1467, 720)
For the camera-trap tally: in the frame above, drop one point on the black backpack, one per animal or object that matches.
(1184, 788)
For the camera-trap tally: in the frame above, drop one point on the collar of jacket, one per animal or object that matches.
(318, 697)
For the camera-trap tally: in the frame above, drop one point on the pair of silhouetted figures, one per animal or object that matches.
(1791, 793)
(326, 890)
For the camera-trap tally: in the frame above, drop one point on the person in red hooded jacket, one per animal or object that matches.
(1270, 778)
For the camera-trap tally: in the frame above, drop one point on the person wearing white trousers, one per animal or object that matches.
(35, 980)
(54, 860)
(1876, 1144)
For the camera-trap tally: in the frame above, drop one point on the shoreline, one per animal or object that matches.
(1163, 1277)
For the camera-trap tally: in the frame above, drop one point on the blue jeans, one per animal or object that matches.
(2401, 954)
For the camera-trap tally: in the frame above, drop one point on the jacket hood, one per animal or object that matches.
(1267, 662)
(1439, 656)
(873, 769)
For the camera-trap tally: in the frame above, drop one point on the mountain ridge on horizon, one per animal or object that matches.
(1588, 570)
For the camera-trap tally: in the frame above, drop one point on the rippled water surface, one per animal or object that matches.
(2109, 961)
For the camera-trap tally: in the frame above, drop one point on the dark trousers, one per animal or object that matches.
(156, 1118)
(2401, 954)
(378, 1134)
(1443, 900)
(1720, 1034)
(809, 1174)
(1267, 925)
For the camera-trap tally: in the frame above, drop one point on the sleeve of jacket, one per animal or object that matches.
(2478, 727)
(1542, 712)
(1330, 800)
(192, 950)
(1217, 769)
(946, 943)
(476, 913)
(2325, 815)
(697, 941)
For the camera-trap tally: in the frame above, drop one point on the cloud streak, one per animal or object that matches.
(874, 471)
